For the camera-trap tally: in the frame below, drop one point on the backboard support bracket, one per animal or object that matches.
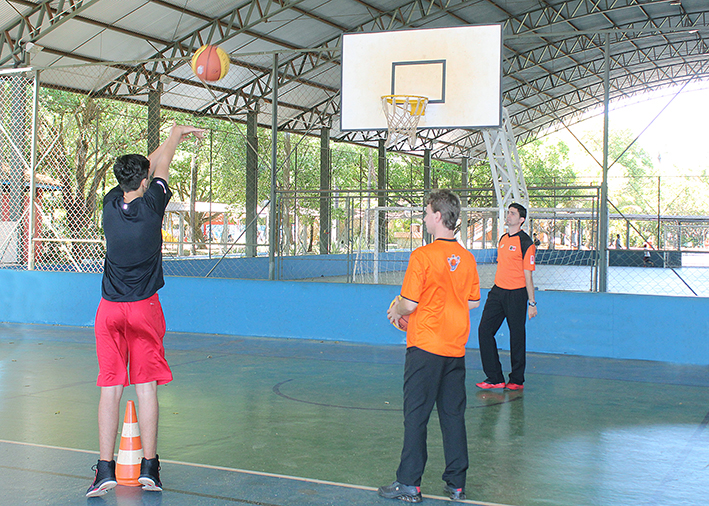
(507, 175)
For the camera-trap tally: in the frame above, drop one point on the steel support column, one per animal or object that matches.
(251, 183)
(464, 201)
(273, 205)
(325, 187)
(426, 190)
(382, 224)
(154, 117)
(603, 222)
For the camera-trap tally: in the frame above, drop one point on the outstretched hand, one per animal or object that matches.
(161, 158)
(186, 131)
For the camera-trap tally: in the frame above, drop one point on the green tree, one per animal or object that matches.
(632, 183)
(79, 138)
(546, 163)
(548, 171)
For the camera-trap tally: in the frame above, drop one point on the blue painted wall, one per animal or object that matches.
(671, 329)
(287, 267)
(314, 266)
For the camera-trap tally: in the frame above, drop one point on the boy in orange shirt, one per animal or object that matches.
(440, 287)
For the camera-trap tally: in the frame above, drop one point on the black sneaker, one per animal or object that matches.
(456, 494)
(150, 474)
(105, 478)
(396, 490)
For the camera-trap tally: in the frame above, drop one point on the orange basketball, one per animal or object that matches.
(210, 63)
(403, 323)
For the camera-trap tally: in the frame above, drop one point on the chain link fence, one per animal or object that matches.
(15, 146)
(333, 221)
(654, 244)
(373, 232)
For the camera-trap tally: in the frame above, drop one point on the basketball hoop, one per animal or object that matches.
(403, 113)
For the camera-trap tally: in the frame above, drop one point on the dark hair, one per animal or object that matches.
(448, 204)
(522, 210)
(130, 170)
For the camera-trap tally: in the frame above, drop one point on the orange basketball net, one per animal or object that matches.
(403, 113)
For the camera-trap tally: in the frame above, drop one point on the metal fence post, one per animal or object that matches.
(272, 225)
(33, 175)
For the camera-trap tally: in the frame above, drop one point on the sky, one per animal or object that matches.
(677, 141)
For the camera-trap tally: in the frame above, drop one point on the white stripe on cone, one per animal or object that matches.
(130, 430)
(129, 457)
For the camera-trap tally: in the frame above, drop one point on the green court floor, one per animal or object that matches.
(290, 422)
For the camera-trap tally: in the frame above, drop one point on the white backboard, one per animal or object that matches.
(459, 70)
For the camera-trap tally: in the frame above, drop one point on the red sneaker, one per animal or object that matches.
(487, 386)
(514, 386)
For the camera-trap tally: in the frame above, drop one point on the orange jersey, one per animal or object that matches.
(441, 277)
(515, 254)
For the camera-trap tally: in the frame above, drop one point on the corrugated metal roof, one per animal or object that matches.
(552, 55)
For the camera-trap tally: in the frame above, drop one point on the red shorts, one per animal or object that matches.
(131, 332)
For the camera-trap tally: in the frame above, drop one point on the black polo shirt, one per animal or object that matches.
(133, 267)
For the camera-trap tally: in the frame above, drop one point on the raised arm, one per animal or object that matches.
(161, 158)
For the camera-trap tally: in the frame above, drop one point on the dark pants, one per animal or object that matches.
(430, 379)
(504, 304)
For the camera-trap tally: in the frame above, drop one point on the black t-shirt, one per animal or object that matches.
(133, 267)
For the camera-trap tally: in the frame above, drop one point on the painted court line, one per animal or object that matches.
(252, 473)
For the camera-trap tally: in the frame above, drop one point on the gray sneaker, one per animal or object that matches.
(456, 494)
(406, 493)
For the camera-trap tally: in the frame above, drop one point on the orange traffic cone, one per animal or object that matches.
(130, 452)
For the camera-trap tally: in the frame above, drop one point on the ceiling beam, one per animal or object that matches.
(295, 67)
(30, 26)
(216, 31)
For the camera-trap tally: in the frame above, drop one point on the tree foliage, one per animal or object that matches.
(547, 163)
(80, 137)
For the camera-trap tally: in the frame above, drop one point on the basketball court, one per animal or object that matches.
(288, 422)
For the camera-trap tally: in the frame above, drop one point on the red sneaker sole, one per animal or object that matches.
(489, 386)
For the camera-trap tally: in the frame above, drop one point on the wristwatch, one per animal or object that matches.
(532, 303)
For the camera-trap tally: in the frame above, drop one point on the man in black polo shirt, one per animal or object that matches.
(130, 325)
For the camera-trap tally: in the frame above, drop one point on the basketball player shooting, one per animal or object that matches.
(130, 325)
